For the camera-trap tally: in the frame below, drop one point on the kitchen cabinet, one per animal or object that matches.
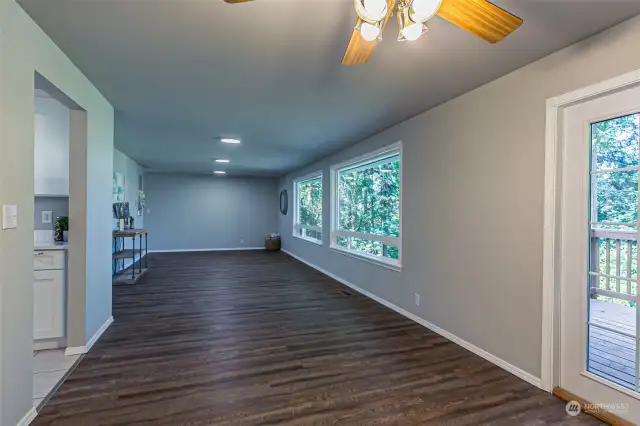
(48, 304)
(51, 148)
(49, 294)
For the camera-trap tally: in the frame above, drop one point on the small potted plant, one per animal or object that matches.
(62, 229)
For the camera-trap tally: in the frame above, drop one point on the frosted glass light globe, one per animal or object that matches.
(422, 10)
(369, 32)
(412, 32)
(376, 9)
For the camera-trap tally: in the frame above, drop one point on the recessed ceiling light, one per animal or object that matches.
(222, 160)
(220, 172)
(227, 140)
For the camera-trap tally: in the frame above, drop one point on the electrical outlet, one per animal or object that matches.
(47, 217)
(416, 299)
(241, 241)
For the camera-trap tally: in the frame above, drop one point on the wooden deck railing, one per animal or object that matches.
(619, 258)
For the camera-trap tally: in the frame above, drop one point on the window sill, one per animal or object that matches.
(309, 240)
(393, 266)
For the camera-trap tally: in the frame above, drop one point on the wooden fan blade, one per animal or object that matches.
(359, 50)
(479, 17)
(236, 1)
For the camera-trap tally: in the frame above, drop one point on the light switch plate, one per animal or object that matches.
(9, 216)
(47, 217)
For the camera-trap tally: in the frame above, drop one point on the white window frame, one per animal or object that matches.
(297, 226)
(366, 159)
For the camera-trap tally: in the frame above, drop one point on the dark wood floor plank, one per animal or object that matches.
(257, 338)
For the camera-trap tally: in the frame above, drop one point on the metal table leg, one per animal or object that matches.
(133, 267)
(139, 264)
(146, 249)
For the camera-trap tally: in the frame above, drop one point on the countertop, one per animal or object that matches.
(51, 246)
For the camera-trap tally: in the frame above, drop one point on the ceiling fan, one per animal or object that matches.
(479, 17)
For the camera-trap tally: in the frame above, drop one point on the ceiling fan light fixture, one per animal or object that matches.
(371, 11)
(408, 29)
(370, 32)
(423, 10)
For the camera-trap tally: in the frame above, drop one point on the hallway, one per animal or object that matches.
(256, 338)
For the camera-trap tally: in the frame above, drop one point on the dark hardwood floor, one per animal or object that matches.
(256, 338)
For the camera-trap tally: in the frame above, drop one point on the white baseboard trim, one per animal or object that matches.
(99, 333)
(28, 418)
(206, 249)
(78, 350)
(528, 377)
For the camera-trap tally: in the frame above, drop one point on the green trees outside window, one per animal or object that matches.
(365, 206)
(368, 197)
(309, 208)
(615, 144)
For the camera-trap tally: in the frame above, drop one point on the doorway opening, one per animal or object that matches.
(590, 320)
(58, 294)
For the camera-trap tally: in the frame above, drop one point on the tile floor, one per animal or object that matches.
(49, 367)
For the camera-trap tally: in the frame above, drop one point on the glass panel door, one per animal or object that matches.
(598, 342)
(612, 321)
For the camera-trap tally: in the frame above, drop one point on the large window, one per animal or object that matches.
(366, 206)
(307, 217)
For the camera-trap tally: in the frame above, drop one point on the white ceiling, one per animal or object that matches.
(182, 72)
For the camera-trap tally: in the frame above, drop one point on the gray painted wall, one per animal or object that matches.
(58, 205)
(473, 202)
(186, 212)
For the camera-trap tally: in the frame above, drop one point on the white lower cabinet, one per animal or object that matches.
(49, 304)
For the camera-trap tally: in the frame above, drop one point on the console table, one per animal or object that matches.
(133, 273)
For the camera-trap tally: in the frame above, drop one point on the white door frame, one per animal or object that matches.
(552, 231)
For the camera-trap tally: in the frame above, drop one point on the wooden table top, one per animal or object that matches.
(129, 232)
